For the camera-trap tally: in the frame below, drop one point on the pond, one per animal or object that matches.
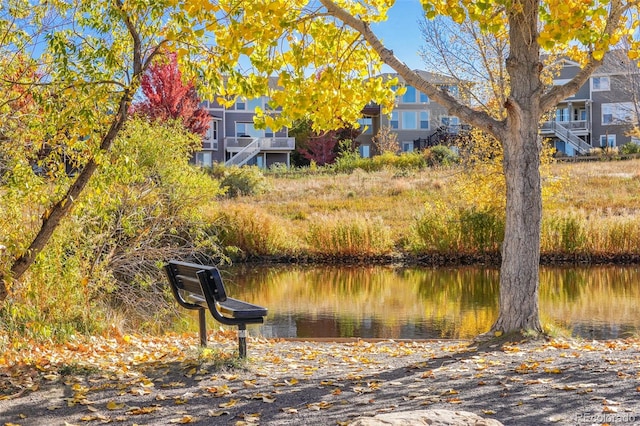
(427, 303)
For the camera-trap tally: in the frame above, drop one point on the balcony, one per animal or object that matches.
(237, 144)
(548, 127)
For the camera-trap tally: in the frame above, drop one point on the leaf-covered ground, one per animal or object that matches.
(167, 380)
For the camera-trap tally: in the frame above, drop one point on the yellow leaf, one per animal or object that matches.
(488, 412)
(184, 419)
(231, 403)
(268, 399)
(598, 55)
(218, 413)
(112, 405)
(498, 333)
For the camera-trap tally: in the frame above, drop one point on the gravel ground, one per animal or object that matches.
(563, 382)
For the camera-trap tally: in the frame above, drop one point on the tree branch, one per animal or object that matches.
(454, 107)
(557, 93)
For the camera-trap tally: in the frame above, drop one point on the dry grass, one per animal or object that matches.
(395, 200)
(604, 197)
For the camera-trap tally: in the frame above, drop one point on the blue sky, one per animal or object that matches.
(401, 32)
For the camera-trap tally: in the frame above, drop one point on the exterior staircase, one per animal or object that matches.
(567, 136)
(245, 154)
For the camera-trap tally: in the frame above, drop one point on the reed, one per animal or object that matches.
(245, 231)
(346, 234)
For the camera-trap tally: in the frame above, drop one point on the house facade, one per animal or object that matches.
(232, 138)
(417, 121)
(602, 113)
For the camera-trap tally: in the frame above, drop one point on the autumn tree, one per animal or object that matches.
(167, 96)
(321, 148)
(94, 54)
(339, 39)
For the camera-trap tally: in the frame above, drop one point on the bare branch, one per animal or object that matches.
(454, 107)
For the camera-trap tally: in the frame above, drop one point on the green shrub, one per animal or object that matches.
(143, 206)
(237, 181)
(630, 148)
(483, 230)
(441, 155)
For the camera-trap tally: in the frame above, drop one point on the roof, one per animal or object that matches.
(431, 77)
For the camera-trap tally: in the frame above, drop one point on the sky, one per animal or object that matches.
(401, 32)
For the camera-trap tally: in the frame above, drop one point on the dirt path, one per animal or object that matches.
(324, 383)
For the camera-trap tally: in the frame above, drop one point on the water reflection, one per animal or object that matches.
(421, 303)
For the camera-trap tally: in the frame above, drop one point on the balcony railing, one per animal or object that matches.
(277, 143)
(549, 126)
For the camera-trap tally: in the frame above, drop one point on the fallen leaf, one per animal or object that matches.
(112, 405)
(231, 403)
(184, 419)
(218, 413)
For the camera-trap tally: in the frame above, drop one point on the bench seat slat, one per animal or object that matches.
(239, 309)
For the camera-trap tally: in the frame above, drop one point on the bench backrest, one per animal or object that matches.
(184, 275)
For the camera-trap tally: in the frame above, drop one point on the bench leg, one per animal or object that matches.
(242, 340)
(203, 327)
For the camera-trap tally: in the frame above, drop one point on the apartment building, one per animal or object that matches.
(602, 113)
(232, 138)
(417, 121)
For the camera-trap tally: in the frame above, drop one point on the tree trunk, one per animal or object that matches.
(58, 211)
(519, 272)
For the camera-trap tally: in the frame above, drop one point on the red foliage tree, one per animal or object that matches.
(321, 148)
(168, 97)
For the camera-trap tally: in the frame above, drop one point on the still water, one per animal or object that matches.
(425, 303)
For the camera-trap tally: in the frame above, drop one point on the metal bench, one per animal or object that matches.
(200, 287)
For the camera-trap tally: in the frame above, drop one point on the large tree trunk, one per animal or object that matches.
(519, 273)
(519, 278)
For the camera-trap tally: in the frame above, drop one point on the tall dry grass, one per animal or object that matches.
(595, 209)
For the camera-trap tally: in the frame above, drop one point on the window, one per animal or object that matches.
(607, 140)
(599, 84)
(452, 89)
(211, 138)
(424, 98)
(364, 151)
(618, 113)
(409, 120)
(203, 159)
(409, 96)
(407, 146)
(424, 120)
(449, 120)
(247, 130)
(366, 125)
(452, 123)
(268, 133)
(241, 104)
(580, 114)
(394, 122)
(562, 114)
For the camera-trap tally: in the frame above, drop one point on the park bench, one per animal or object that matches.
(200, 287)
